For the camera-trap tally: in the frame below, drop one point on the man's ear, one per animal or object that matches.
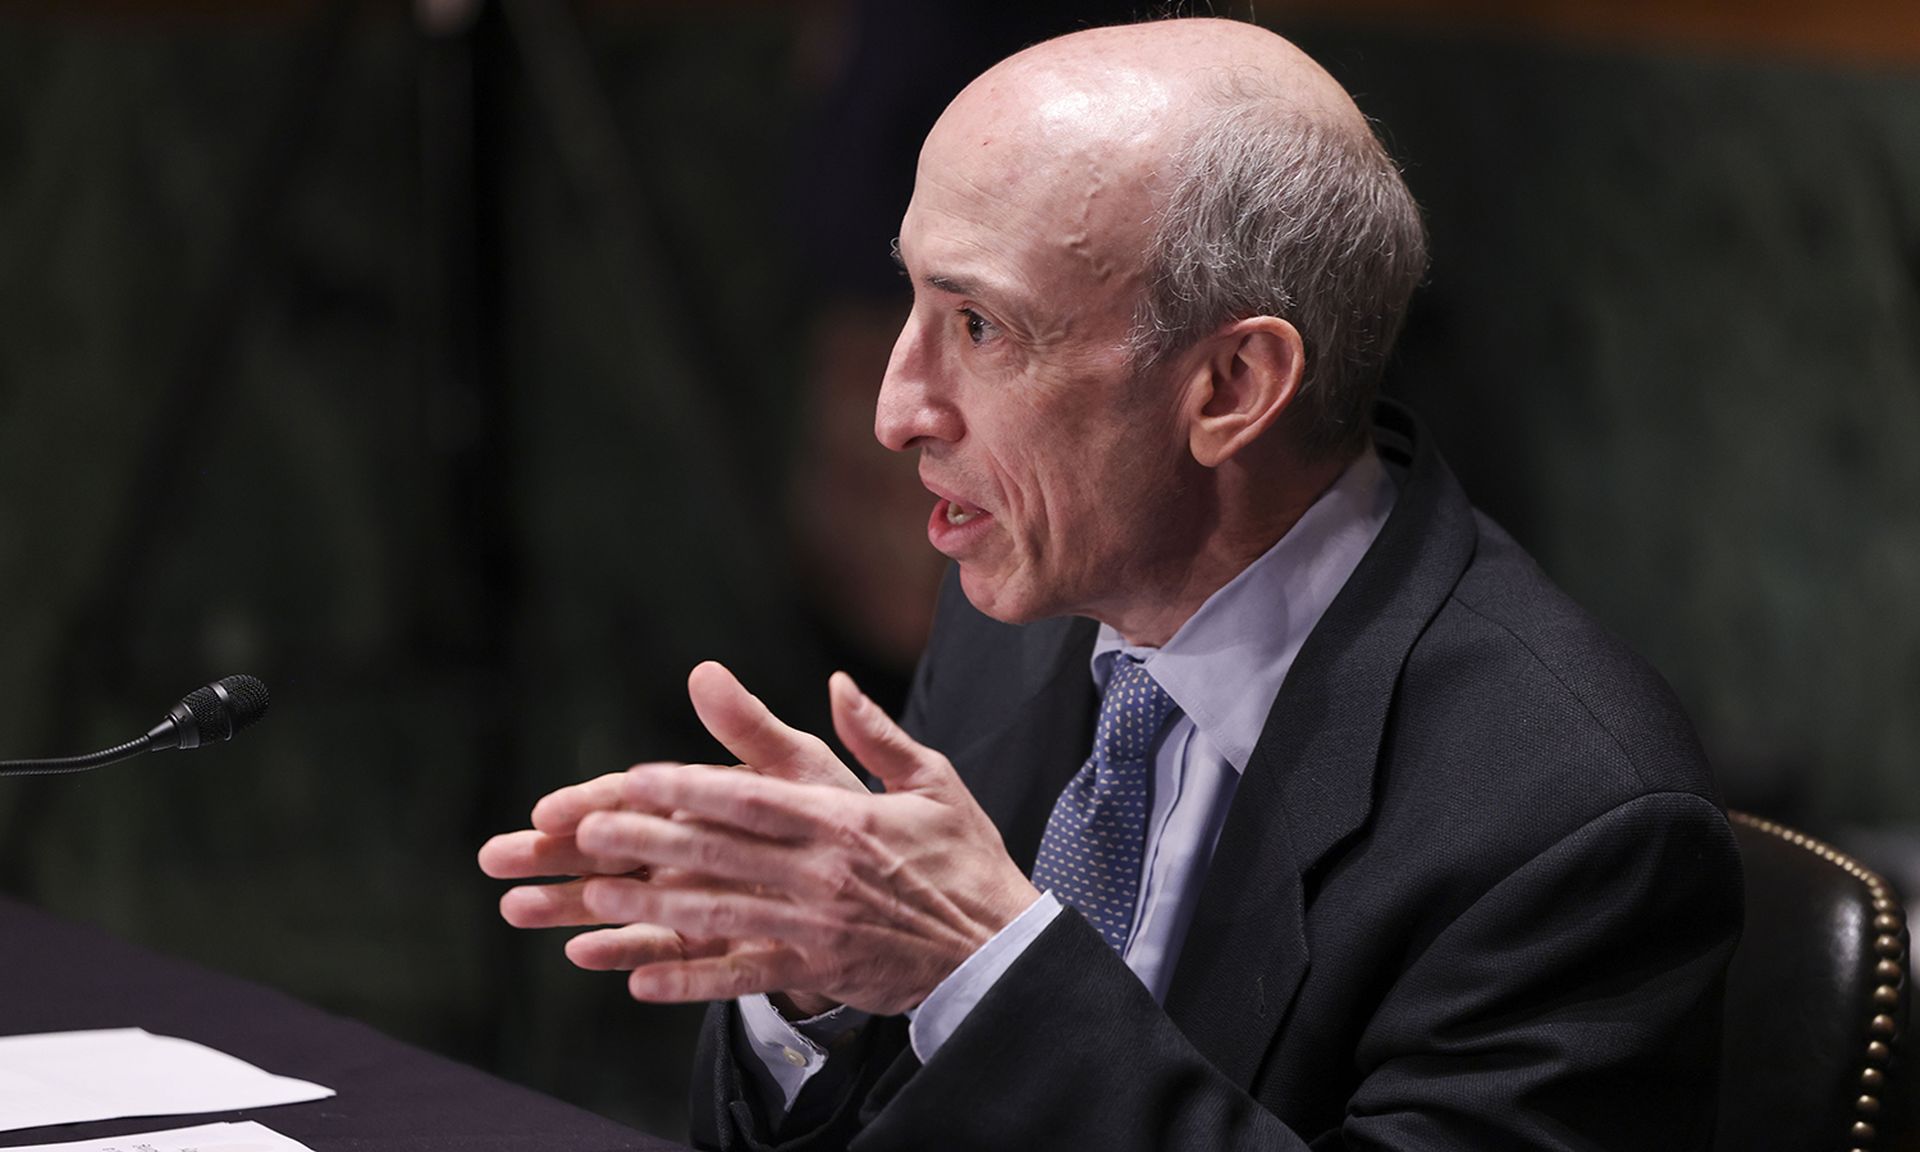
(1248, 373)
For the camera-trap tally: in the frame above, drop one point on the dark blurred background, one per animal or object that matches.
(470, 370)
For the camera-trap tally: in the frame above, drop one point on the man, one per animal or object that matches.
(1381, 844)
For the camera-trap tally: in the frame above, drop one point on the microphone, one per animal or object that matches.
(207, 715)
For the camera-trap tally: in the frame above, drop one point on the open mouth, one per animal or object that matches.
(955, 526)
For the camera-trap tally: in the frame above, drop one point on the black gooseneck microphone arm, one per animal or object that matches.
(74, 763)
(207, 714)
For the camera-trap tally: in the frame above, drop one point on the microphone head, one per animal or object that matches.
(218, 710)
(246, 699)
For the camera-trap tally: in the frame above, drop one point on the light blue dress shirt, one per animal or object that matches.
(1223, 668)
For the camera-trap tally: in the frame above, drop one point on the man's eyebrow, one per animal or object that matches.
(952, 285)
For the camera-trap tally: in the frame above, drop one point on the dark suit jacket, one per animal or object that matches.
(1473, 893)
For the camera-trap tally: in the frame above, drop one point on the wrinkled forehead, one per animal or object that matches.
(1071, 155)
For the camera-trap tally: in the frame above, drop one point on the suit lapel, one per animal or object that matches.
(1310, 782)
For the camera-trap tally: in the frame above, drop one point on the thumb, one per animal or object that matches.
(751, 731)
(881, 746)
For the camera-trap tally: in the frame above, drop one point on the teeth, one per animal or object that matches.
(956, 516)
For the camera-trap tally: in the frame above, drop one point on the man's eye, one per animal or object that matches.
(979, 328)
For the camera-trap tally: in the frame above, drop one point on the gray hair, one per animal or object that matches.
(1274, 211)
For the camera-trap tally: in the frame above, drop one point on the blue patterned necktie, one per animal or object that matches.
(1091, 854)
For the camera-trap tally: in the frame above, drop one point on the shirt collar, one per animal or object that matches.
(1225, 665)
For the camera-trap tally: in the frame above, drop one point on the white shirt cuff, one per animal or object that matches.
(790, 1056)
(949, 1003)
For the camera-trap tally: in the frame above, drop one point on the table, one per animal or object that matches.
(393, 1097)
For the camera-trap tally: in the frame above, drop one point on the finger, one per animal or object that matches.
(560, 905)
(559, 811)
(547, 906)
(775, 809)
(699, 913)
(880, 745)
(632, 945)
(738, 972)
(700, 848)
(750, 730)
(527, 854)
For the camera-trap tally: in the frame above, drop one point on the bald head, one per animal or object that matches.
(1157, 75)
(1213, 171)
(1105, 112)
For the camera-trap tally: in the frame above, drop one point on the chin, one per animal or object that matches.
(1007, 600)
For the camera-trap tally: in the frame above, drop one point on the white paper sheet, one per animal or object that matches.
(242, 1137)
(70, 1077)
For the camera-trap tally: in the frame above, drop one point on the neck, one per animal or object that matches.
(1249, 515)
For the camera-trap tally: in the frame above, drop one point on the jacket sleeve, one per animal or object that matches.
(726, 1112)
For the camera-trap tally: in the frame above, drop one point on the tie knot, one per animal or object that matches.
(1131, 714)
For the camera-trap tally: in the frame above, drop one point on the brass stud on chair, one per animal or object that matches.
(1889, 943)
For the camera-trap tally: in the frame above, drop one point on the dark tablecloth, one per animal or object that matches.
(58, 976)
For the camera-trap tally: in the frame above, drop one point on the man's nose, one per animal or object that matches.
(914, 405)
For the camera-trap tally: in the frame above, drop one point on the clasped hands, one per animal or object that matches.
(781, 874)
